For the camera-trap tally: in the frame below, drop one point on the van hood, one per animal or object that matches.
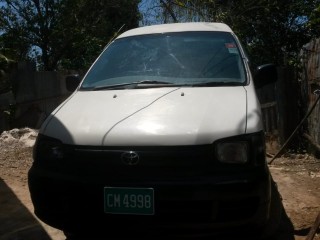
(150, 117)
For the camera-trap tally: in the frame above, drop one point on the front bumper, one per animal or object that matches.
(74, 203)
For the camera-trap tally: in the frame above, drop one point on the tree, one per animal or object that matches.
(5, 68)
(314, 23)
(271, 31)
(63, 33)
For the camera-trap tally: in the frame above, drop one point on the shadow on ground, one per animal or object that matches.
(16, 222)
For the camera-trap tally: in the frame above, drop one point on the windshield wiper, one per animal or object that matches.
(216, 84)
(152, 82)
(133, 84)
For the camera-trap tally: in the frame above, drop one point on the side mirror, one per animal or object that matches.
(72, 82)
(265, 74)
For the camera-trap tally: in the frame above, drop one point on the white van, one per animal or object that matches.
(163, 132)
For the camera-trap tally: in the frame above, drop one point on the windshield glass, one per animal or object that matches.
(187, 58)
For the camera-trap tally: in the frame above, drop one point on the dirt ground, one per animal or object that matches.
(297, 177)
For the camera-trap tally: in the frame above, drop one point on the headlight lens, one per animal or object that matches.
(47, 149)
(232, 152)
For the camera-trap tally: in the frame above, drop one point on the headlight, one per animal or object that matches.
(232, 152)
(47, 150)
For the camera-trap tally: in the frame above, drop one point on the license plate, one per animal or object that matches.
(137, 201)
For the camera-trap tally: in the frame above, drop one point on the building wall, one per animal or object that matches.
(35, 95)
(310, 81)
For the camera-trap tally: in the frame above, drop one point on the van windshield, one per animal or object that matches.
(186, 58)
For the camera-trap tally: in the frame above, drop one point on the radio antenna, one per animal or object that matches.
(115, 35)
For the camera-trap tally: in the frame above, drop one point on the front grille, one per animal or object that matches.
(153, 161)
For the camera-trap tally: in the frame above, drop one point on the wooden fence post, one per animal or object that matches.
(288, 108)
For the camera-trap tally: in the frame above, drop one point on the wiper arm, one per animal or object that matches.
(134, 84)
(152, 82)
(114, 86)
(213, 84)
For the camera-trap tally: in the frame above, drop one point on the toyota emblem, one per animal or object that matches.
(130, 158)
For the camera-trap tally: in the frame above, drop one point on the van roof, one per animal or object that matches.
(177, 27)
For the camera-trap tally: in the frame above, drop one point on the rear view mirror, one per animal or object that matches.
(72, 82)
(265, 74)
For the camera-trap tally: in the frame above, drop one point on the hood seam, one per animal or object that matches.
(120, 121)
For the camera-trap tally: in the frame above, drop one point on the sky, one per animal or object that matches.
(146, 7)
